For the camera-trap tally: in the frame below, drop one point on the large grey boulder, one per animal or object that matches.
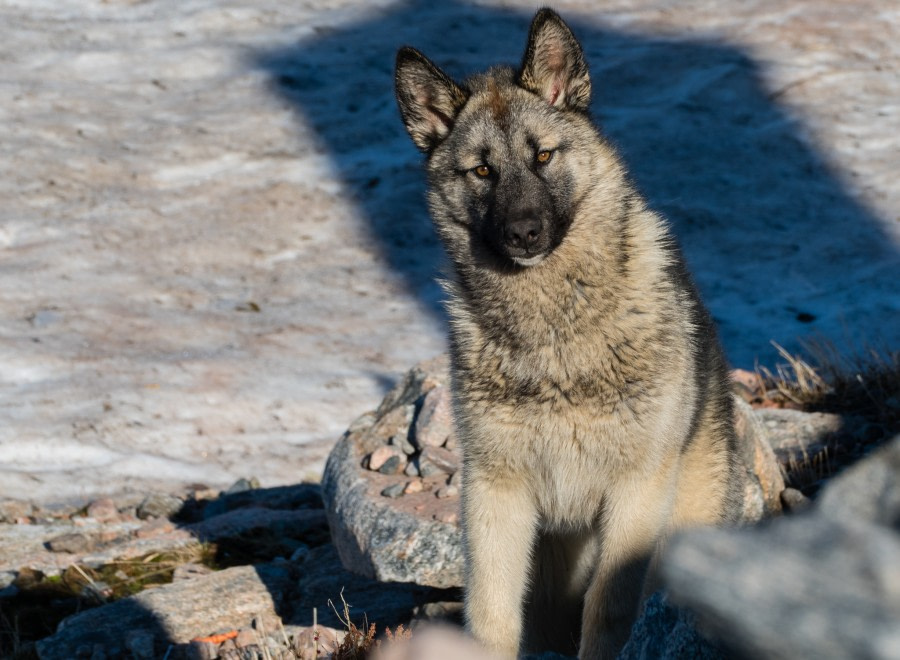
(393, 525)
(823, 584)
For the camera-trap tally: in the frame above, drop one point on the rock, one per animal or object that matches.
(401, 442)
(381, 541)
(159, 505)
(434, 423)
(434, 460)
(418, 380)
(103, 510)
(762, 478)
(394, 490)
(414, 486)
(395, 422)
(227, 599)
(797, 436)
(393, 465)
(377, 532)
(868, 490)
(242, 485)
(74, 543)
(447, 491)
(665, 632)
(381, 455)
(823, 583)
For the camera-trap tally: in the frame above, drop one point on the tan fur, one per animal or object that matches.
(590, 392)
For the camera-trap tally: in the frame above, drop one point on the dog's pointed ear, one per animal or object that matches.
(429, 100)
(554, 67)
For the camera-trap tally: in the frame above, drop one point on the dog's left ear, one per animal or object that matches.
(554, 67)
(429, 99)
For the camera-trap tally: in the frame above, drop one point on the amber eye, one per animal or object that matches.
(544, 156)
(482, 171)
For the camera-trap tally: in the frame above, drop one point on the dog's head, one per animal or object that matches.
(504, 156)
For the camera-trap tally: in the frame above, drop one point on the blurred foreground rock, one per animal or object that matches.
(821, 584)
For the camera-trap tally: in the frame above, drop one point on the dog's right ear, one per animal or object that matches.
(429, 100)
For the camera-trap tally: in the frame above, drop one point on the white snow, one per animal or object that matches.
(214, 252)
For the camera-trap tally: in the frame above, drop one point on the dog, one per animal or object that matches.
(591, 394)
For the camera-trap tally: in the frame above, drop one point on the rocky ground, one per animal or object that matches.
(250, 570)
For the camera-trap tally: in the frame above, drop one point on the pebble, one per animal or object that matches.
(401, 442)
(103, 510)
(433, 460)
(411, 469)
(159, 505)
(394, 490)
(393, 465)
(414, 486)
(434, 422)
(455, 479)
(381, 456)
(74, 542)
(447, 491)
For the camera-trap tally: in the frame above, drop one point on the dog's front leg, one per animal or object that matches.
(499, 527)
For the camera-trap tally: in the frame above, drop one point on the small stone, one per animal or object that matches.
(394, 422)
(401, 442)
(434, 423)
(74, 542)
(190, 571)
(447, 491)
(242, 485)
(455, 479)
(381, 455)
(414, 486)
(159, 505)
(412, 470)
(433, 460)
(449, 517)
(393, 465)
(103, 510)
(394, 490)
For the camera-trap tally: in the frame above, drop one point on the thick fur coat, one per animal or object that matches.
(590, 391)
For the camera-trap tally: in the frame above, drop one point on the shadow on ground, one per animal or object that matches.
(760, 216)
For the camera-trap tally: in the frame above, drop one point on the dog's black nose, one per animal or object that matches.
(523, 234)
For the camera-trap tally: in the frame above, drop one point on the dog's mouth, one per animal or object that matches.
(529, 261)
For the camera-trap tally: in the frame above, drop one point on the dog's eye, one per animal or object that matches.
(482, 171)
(544, 156)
